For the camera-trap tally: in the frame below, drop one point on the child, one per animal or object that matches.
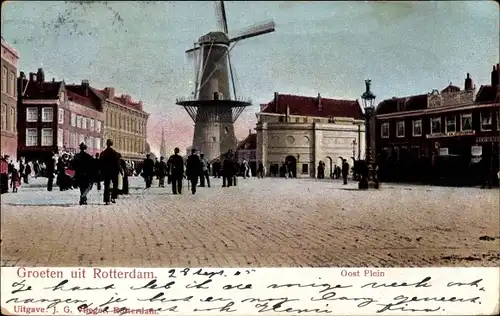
(15, 180)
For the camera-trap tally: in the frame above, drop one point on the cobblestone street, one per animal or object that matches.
(269, 222)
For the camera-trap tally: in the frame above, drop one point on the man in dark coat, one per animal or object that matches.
(85, 167)
(193, 169)
(148, 169)
(176, 170)
(216, 167)
(161, 172)
(50, 168)
(345, 170)
(109, 162)
(205, 173)
(228, 168)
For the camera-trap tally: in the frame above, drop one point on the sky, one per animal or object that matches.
(330, 48)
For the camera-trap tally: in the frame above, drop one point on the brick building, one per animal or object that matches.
(53, 118)
(10, 61)
(125, 123)
(440, 137)
(306, 130)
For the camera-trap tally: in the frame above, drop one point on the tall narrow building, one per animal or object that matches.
(163, 147)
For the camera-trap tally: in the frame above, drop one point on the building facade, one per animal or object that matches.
(10, 62)
(53, 119)
(302, 131)
(445, 137)
(125, 123)
(247, 150)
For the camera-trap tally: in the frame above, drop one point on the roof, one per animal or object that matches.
(410, 103)
(451, 88)
(42, 91)
(248, 143)
(124, 100)
(486, 94)
(309, 106)
(88, 98)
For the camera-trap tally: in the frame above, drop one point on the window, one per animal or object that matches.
(384, 130)
(305, 168)
(31, 114)
(417, 128)
(73, 119)
(91, 142)
(466, 122)
(81, 139)
(60, 137)
(4, 79)
(400, 129)
(84, 122)
(31, 137)
(435, 125)
(72, 140)
(61, 116)
(47, 115)
(297, 120)
(12, 83)
(47, 137)
(66, 138)
(98, 126)
(97, 143)
(91, 125)
(304, 120)
(4, 116)
(281, 118)
(486, 121)
(451, 124)
(78, 121)
(13, 126)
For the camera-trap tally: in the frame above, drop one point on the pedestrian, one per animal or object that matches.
(205, 175)
(345, 170)
(193, 169)
(216, 167)
(15, 181)
(229, 170)
(50, 167)
(176, 170)
(109, 162)
(85, 167)
(246, 169)
(4, 174)
(260, 169)
(148, 169)
(161, 172)
(27, 173)
(124, 174)
(98, 177)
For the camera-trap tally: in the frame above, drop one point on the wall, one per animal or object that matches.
(9, 65)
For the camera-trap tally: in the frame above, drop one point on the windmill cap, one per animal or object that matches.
(216, 37)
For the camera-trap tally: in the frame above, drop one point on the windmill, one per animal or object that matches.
(213, 106)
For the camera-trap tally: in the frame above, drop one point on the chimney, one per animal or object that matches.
(287, 113)
(32, 77)
(320, 104)
(53, 79)
(128, 99)
(109, 92)
(276, 97)
(85, 85)
(40, 76)
(21, 84)
(249, 131)
(494, 76)
(140, 105)
(468, 83)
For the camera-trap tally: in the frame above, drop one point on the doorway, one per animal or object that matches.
(291, 163)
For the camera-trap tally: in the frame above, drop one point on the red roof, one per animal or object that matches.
(248, 143)
(124, 100)
(411, 103)
(314, 106)
(451, 88)
(41, 91)
(84, 95)
(486, 94)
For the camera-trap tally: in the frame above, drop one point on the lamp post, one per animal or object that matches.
(369, 177)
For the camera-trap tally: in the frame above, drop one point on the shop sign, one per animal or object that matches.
(451, 134)
(443, 151)
(476, 150)
(488, 139)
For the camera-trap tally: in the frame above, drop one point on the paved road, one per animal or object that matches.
(270, 222)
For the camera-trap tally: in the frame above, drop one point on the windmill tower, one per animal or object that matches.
(163, 147)
(211, 106)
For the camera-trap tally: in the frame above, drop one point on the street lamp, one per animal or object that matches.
(369, 177)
